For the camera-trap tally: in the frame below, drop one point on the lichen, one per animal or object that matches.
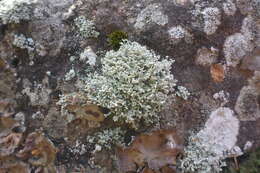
(86, 27)
(134, 84)
(206, 57)
(70, 75)
(247, 105)
(209, 147)
(15, 11)
(212, 17)
(236, 47)
(178, 33)
(229, 7)
(22, 42)
(88, 56)
(107, 138)
(149, 15)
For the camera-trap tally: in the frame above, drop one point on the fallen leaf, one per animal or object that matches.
(129, 158)
(217, 72)
(168, 169)
(88, 112)
(9, 143)
(39, 150)
(14, 167)
(147, 170)
(156, 149)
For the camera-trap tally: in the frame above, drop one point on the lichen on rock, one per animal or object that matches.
(15, 11)
(206, 150)
(149, 15)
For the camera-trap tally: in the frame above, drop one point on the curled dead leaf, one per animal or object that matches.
(217, 72)
(156, 149)
(168, 169)
(129, 159)
(147, 170)
(2, 64)
(9, 143)
(88, 112)
(39, 150)
(14, 167)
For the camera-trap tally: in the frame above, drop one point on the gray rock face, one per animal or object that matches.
(247, 105)
(44, 54)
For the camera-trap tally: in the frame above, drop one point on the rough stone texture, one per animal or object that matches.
(195, 33)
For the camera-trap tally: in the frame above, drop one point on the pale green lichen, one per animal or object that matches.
(149, 15)
(183, 92)
(14, 11)
(22, 42)
(208, 148)
(212, 19)
(134, 84)
(106, 139)
(70, 75)
(86, 27)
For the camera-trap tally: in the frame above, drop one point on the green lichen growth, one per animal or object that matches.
(134, 84)
(86, 28)
(115, 39)
(107, 138)
(15, 11)
(250, 164)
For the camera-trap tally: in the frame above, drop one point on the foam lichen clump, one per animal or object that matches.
(86, 27)
(134, 84)
(14, 11)
(107, 138)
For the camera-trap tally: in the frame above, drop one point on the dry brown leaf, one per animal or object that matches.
(217, 72)
(14, 167)
(39, 150)
(9, 143)
(88, 112)
(167, 169)
(2, 64)
(129, 159)
(147, 170)
(157, 149)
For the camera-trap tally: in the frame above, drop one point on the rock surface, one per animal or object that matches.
(215, 45)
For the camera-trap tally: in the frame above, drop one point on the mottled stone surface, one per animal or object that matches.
(195, 33)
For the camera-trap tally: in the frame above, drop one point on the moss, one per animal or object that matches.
(248, 164)
(115, 39)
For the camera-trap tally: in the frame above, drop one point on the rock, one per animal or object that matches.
(247, 106)
(152, 14)
(206, 57)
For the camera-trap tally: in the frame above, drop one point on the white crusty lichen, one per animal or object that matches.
(208, 148)
(151, 14)
(14, 11)
(247, 106)
(206, 57)
(178, 33)
(134, 84)
(182, 92)
(212, 17)
(229, 7)
(238, 45)
(39, 94)
(70, 75)
(235, 48)
(222, 96)
(86, 27)
(107, 138)
(88, 56)
(22, 42)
